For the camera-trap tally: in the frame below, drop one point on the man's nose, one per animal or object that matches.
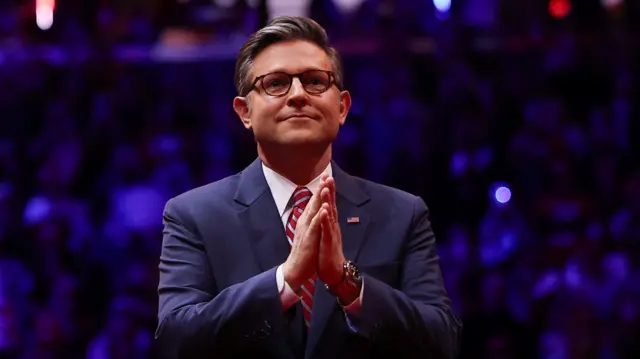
(297, 94)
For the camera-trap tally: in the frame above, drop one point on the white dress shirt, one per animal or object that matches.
(282, 190)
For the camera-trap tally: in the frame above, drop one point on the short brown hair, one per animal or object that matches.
(280, 29)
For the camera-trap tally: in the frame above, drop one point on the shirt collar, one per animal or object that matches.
(282, 189)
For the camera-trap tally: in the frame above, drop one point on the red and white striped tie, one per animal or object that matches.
(301, 197)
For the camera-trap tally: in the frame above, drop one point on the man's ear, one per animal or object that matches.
(243, 109)
(345, 106)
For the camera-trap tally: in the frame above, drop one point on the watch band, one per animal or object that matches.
(351, 281)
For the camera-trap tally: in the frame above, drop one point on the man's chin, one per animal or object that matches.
(304, 142)
(298, 139)
(298, 143)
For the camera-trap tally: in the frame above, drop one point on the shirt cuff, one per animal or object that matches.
(287, 296)
(355, 306)
(352, 311)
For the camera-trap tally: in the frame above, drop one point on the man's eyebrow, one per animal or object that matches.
(280, 69)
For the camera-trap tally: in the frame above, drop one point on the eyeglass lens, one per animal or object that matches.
(278, 83)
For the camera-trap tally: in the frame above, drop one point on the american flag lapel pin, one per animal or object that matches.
(353, 219)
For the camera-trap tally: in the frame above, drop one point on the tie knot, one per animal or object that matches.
(301, 196)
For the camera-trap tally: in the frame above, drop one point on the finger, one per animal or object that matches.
(327, 198)
(322, 217)
(323, 177)
(327, 208)
(325, 195)
(312, 208)
(327, 226)
(323, 183)
(331, 184)
(315, 224)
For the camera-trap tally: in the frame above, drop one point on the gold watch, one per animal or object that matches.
(350, 284)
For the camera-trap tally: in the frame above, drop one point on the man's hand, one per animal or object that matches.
(330, 258)
(302, 262)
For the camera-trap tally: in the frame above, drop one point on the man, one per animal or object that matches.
(292, 257)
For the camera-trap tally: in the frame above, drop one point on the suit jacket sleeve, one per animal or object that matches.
(195, 318)
(418, 317)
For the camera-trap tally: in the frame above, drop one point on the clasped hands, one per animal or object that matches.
(317, 243)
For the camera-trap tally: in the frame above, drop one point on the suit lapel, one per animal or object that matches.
(260, 217)
(350, 201)
(261, 222)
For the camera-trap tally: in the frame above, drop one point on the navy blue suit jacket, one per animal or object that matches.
(218, 295)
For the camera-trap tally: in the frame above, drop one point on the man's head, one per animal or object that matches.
(289, 82)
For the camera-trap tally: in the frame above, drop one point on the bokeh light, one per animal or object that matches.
(559, 8)
(503, 194)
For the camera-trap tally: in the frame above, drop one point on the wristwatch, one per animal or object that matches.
(351, 283)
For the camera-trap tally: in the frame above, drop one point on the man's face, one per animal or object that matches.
(296, 117)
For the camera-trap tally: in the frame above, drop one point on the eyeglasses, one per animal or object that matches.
(279, 83)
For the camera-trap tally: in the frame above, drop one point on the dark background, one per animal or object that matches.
(121, 105)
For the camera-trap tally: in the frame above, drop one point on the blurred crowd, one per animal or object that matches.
(525, 154)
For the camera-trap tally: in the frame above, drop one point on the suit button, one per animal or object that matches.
(265, 331)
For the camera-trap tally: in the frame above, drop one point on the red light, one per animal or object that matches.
(44, 13)
(559, 8)
(46, 3)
